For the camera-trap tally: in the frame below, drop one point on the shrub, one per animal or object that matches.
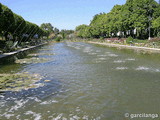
(129, 40)
(58, 39)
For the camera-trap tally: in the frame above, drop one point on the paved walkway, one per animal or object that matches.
(18, 51)
(147, 49)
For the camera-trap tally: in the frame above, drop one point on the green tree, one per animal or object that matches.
(48, 28)
(80, 30)
(1, 20)
(134, 19)
(56, 31)
(97, 26)
(18, 27)
(156, 26)
(6, 20)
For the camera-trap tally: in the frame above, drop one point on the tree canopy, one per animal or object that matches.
(14, 27)
(16, 32)
(135, 18)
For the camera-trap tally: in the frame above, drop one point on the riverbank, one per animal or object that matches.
(4, 55)
(136, 48)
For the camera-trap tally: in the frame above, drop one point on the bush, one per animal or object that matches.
(9, 46)
(129, 40)
(58, 39)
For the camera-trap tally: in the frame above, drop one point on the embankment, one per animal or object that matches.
(4, 56)
(136, 48)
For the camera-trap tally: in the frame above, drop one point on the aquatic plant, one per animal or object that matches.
(16, 82)
(31, 60)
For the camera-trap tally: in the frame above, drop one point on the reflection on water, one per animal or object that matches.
(84, 82)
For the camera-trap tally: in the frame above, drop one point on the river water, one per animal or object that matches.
(85, 82)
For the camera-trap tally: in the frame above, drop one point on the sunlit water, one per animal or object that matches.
(85, 82)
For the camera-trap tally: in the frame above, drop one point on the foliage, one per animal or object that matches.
(129, 40)
(83, 31)
(56, 31)
(16, 30)
(134, 19)
(58, 39)
(65, 33)
(156, 26)
(48, 28)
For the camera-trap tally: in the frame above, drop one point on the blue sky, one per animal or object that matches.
(63, 14)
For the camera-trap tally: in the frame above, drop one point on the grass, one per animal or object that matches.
(140, 41)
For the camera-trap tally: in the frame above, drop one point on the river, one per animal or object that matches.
(85, 82)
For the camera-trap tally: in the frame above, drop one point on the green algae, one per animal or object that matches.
(17, 82)
(32, 60)
(32, 55)
(40, 54)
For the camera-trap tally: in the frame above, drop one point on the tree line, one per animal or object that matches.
(136, 18)
(14, 27)
(15, 31)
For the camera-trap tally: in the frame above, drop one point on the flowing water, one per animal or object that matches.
(84, 82)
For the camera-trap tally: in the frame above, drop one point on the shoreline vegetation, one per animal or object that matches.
(16, 33)
(137, 19)
(135, 23)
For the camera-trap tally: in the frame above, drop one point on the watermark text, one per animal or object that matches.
(141, 115)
